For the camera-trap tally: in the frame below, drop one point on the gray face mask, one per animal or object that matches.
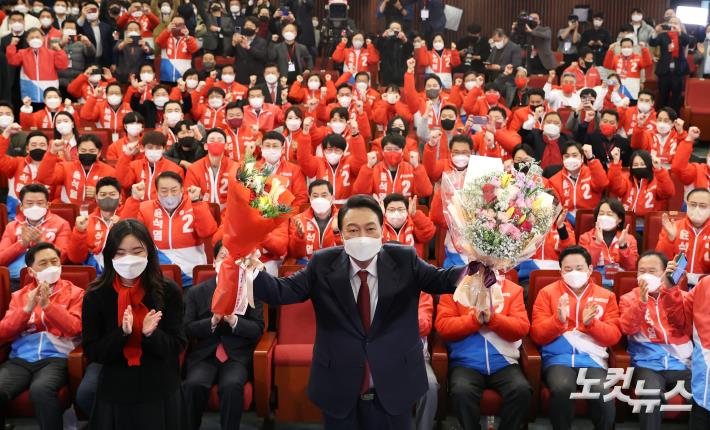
(170, 202)
(433, 93)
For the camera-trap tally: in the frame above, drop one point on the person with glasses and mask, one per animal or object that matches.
(397, 125)
(77, 178)
(406, 224)
(210, 173)
(317, 227)
(132, 322)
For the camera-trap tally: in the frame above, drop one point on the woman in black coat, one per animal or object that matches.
(132, 325)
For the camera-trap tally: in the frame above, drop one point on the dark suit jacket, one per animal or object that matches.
(510, 54)
(393, 347)
(267, 93)
(107, 42)
(239, 344)
(278, 53)
(540, 38)
(663, 66)
(602, 146)
(250, 61)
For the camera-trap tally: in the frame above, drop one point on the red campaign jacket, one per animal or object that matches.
(343, 177)
(81, 88)
(425, 313)
(323, 114)
(270, 117)
(43, 118)
(435, 168)
(519, 117)
(460, 93)
(411, 144)
(589, 79)
(586, 192)
(444, 63)
(300, 93)
(629, 67)
(236, 142)
(553, 245)
(356, 61)
(626, 257)
(19, 171)
(115, 150)
(479, 106)
(416, 101)
(213, 188)
(695, 175)
(92, 240)
(505, 140)
(629, 116)
(55, 229)
(72, 177)
(132, 172)
(641, 197)
(42, 67)
(649, 141)
(238, 91)
(209, 117)
(147, 22)
(383, 112)
(694, 242)
(312, 240)
(417, 231)
(408, 181)
(99, 111)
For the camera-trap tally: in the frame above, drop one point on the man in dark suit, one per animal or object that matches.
(221, 353)
(271, 86)
(10, 75)
(99, 33)
(672, 64)
(368, 367)
(250, 52)
(503, 52)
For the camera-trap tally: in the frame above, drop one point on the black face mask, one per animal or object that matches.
(108, 204)
(522, 167)
(640, 173)
(263, 18)
(248, 32)
(187, 143)
(396, 130)
(209, 66)
(87, 159)
(588, 64)
(37, 154)
(448, 124)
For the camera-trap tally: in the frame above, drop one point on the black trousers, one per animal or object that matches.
(86, 393)
(699, 417)
(664, 381)
(367, 415)
(466, 388)
(670, 87)
(230, 377)
(44, 378)
(562, 381)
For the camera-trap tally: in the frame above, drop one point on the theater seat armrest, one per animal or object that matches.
(531, 362)
(440, 365)
(75, 366)
(263, 371)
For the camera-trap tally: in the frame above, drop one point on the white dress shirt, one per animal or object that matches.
(371, 282)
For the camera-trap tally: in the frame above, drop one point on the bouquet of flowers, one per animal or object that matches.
(495, 218)
(256, 204)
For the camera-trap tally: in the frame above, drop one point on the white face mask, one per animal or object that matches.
(17, 27)
(114, 99)
(160, 101)
(65, 128)
(551, 130)
(215, 102)
(598, 22)
(91, 16)
(337, 127)
(137, 14)
(130, 266)
(49, 275)
(173, 118)
(60, 10)
(53, 102)
(363, 248)
(271, 155)
(438, 46)
(653, 282)
(271, 78)
(320, 205)
(663, 127)
(499, 45)
(575, 279)
(333, 158)
(134, 129)
(606, 222)
(170, 202)
(460, 160)
(94, 79)
(69, 32)
(192, 83)
(234, 9)
(469, 85)
(75, 11)
(643, 107)
(392, 98)
(345, 101)
(6, 120)
(697, 215)
(165, 9)
(627, 51)
(45, 22)
(293, 124)
(147, 77)
(35, 43)
(227, 79)
(133, 34)
(636, 17)
(256, 102)
(396, 219)
(153, 155)
(21, 8)
(289, 35)
(313, 85)
(361, 86)
(357, 43)
(34, 213)
(572, 164)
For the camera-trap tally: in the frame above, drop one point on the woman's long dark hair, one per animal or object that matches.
(75, 128)
(152, 278)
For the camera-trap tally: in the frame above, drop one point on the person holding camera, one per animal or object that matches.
(672, 64)
(538, 39)
(131, 53)
(568, 39)
(474, 50)
(597, 38)
(397, 49)
(80, 51)
(218, 31)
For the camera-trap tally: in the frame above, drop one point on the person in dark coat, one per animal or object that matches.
(672, 65)
(132, 322)
(250, 52)
(604, 138)
(302, 10)
(395, 49)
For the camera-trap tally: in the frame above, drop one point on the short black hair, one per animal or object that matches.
(35, 133)
(30, 254)
(34, 188)
(273, 135)
(461, 138)
(616, 207)
(217, 90)
(648, 93)
(108, 181)
(133, 117)
(334, 141)
(672, 114)
(360, 201)
(499, 109)
(153, 137)
(252, 89)
(611, 112)
(394, 139)
(233, 105)
(341, 112)
(523, 147)
(693, 191)
(318, 183)
(598, 14)
(647, 160)
(653, 253)
(474, 28)
(434, 77)
(451, 108)
(89, 137)
(395, 197)
(576, 249)
(588, 92)
(217, 247)
(535, 92)
(215, 130)
(168, 174)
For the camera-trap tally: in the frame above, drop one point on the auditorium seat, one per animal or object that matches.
(537, 81)
(172, 272)
(653, 226)
(584, 221)
(564, 113)
(675, 203)
(202, 272)
(68, 211)
(81, 276)
(539, 279)
(284, 392)
(626, 281)
(696, 110)
(3, 218)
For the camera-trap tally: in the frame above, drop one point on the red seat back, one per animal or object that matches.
(172, 272)
(623, 283)
(584, 221)
(202, 273)
(537, 81)
(4, 291)
(564, 113)
(696, 92)
(81, 276)
(297, 324)
(67, 211)
(3, 218)
(539, 279)
(652, 227)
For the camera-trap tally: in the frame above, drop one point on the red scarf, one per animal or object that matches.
(676, 46)
(132, 296)
(551, 156)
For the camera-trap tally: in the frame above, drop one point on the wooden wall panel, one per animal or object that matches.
(501, 13)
